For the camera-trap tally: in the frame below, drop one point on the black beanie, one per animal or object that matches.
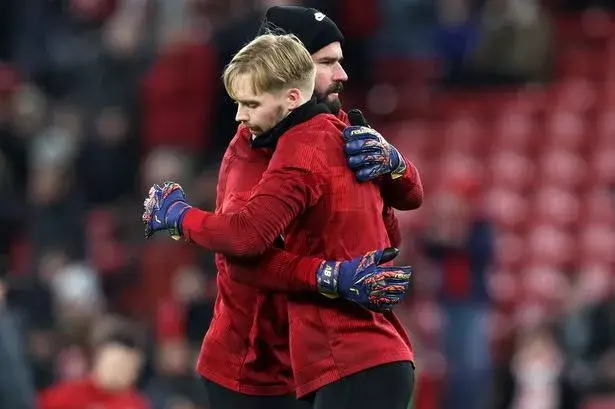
(313, 28)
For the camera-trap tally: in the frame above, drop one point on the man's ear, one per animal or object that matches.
(293, 98)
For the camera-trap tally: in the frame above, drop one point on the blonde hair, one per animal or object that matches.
(275, 62)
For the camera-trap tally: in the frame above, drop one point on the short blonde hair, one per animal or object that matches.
(275, 62)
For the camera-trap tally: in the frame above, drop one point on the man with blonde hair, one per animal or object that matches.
(343, 356)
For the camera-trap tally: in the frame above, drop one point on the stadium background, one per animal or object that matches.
(506, 106)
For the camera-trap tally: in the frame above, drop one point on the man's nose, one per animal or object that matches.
(241, 115)
(339, 74)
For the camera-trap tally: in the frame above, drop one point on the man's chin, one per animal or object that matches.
(334, 104)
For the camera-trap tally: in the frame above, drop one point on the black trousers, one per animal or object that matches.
(222, 398)
(387, 386)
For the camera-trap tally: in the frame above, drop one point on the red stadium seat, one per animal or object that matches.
(606, 128)
(507, 208)
(458, 168)
(576, 95)
(503, 286)
(511, 170)
(593, 282)
(555, 206)
(510, 250)
(464, 135)
(549, 245)
(562, 168)
(411, 138)
(514, 131)
(565, 129)
(597, 242)
(603, 167)
(597, 208)
(544, 283)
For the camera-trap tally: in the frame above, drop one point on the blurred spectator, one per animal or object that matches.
(116, 366)
(109, 159)
(407, 29)
(537, 369)
(13, 169)
(601, 351)
(509, 42)
(16, 388)
(580, 5)
(516, 43)
(175, 382)
(460, 243)
(32, 299)
(56, 212)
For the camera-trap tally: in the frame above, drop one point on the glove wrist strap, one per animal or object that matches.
(400, 170)
(176, 231)
(327, 278)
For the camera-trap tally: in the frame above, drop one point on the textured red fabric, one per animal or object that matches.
(308, 192)
(246, 347)
(405, 192)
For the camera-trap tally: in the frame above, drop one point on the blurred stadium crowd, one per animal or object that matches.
(507, 107)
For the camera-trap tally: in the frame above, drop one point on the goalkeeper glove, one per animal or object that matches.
(362, 280)
(165, 208)
(368, 154)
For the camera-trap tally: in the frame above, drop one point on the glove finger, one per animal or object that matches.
(384, 276)
(353, 133)
(378, 283)
(368, 173)
(388, 254)
(357, 161)
(386, 299)
(380, 308)
(149, 231)
(396, 288)
(362, 142)
(356, 118)
(382, 304)
(388, 290)
(395, 271)
(172, 186)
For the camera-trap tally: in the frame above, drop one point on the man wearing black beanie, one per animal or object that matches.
(322, 38)
(371, 158)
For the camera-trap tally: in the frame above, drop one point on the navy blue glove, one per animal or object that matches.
(368, 154)
(165, 208)
(362, 280)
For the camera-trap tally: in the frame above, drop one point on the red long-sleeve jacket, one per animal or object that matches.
(270, 271)
(309, 186)
(246, 346)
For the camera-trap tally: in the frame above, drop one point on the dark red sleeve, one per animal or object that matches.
(392, 226)
(405, 192)
(292, 183)
(276, 270)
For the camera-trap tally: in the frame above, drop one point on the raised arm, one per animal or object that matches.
(292, 183)
(371, 157)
